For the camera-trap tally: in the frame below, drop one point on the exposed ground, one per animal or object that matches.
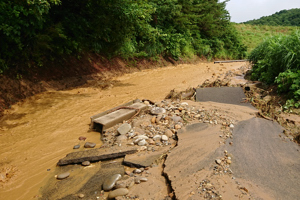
(42, 129)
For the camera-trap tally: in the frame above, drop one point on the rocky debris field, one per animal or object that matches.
(179, 149)
(154, 134)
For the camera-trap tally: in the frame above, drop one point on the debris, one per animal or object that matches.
(92, 155)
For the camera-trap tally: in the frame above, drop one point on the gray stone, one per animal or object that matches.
(86, 163)
(110, 182)
(124, 128)
(142, 142)
(89, 145)
(138, 180)
(164, 138)
(63, 175)
(157, 111)
(118, 192)
(157, 137)
(137, 171)
(176, 119)
(76, 146)
(121, 138)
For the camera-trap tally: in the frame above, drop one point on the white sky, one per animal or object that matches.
(244, 10)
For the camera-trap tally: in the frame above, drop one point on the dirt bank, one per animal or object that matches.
(19, 84)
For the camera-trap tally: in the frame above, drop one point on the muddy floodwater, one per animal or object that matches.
(38, 132)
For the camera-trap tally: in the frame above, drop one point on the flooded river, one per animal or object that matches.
(38, 132)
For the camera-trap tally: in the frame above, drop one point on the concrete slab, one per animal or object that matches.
(144, 159)
(228, 95)
(93, 155)
(269, 161)
(114, 116)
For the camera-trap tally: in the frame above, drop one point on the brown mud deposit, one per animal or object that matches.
(42, 129)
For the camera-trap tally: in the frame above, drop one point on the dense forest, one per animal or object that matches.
(33, 32)
(282, 18)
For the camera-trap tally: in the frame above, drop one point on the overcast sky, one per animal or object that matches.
(244, 10)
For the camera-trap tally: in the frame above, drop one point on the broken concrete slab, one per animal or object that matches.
(196, 144)
(228, 95)
(143, 160)
(116, 115)
(93, 155)
(261, 156)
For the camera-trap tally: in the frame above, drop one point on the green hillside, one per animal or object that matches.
(283, 18)
(253, 35)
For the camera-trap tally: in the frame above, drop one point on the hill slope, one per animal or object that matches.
(282, 18)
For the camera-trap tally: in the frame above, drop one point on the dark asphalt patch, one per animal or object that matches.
(261, 156)
(228, 95)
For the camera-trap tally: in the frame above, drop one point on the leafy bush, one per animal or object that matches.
(277, 60)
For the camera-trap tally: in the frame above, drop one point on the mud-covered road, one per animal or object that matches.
(35, 134)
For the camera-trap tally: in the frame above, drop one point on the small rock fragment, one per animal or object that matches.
(157, 111)
(110, 182)
(118, 192)
(124, 128)
(218, 161)
(76, 146)
(82, 138)
(177, 126)
(81, 195)
(169, 133)
(229, 161)
(157, 137)
(153, 120)
(89, 145)
(164, 138)
(86, 163)
(63, 175)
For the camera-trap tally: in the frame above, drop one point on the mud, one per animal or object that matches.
(38, 132)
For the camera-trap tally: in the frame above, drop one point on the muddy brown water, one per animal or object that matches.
(35, 134)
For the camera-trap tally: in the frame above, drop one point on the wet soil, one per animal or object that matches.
(39, 131)
(42, 129)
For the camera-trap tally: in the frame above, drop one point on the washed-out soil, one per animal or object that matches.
(20, 83)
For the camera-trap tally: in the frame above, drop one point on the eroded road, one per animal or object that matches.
(37, 133)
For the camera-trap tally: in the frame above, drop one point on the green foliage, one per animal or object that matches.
(36, 31)
(277, 60)
(283, 18)
(253, 35)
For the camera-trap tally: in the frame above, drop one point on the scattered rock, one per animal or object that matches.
(229, 161)
(164, 138)
(81, 195)
(76, 146)
(121, 138)
(110, 182)
(124, 128)
(86, 163)
(89, 145)
(142, 142)
(218, 161)
(231, 126)
(177, 126)
(169, 133)
(157, 111)
(63, 175)
(147, 103)
(137, 171)
(82, 138)
(157, 137)
(153, 120)
(118, 192)
(176, 119)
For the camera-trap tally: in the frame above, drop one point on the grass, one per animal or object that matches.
(253, 35)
